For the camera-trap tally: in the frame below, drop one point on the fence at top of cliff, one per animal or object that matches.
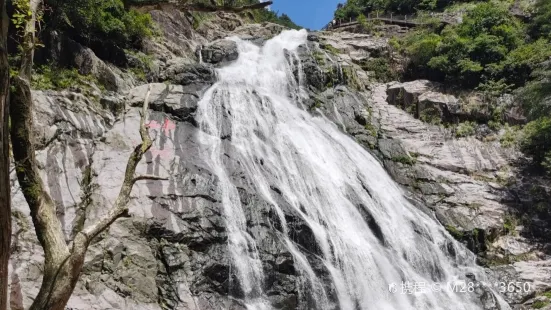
(402, 20)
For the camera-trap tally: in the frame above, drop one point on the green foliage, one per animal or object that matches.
(494, 125)
(319, 57)
(465, 129)
(404, 159)
(100, 21)
(430, 115)
(541, 24)
(456, 233)
(487, 49)
(536, 140)
(547, 294)
(366, 25)
(381, 68)
(510, 137)
(46, 77)
(509, 225)
(22, 13)
(538, 304)
(265, 15)
(535, 97)
(330, 49)
(371, 129)
(495, 88)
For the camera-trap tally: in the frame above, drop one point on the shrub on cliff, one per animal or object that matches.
(537, 141)
(107, 22)
(353, 8)
(536, 102)
(541, 24)
(489, 45)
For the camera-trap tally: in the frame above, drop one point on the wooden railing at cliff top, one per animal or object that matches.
(402, 20)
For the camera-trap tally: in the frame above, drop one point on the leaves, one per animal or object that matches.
(489, 45)
(101, 21)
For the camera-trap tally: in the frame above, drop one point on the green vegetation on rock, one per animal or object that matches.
(538, 304)
(457, 234)
(48, 77)
(465, 129)
(104, 22)
(491, 51)
(489, 48)
(265, 15)
(381, 68)
(404, 159)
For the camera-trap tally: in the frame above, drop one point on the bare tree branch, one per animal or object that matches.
(149, 177)
(202, 7)
(183, 5)
(121, 204)
(47, 226)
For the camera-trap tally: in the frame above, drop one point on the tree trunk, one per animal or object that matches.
(62, 264)
(5, 201)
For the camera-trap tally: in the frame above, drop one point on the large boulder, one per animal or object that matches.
(66, 52)
(513, 113)
(219, 52)
(437, 105)
(427, 101)
(407, 94)
(181, 72)
(88, 63)
(177, 100)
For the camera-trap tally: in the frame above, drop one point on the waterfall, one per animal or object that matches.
(369, 236)
(200, 54)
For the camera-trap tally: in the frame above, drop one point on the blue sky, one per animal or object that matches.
(312, 14)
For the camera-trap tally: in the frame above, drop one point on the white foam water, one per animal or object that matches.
(369, 235)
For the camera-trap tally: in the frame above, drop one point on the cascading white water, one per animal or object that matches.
(332, 182)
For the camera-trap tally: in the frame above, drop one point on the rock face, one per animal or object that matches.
(219, 52)
(465, 181)
(172, 253)
(425, 100)
(429, 102)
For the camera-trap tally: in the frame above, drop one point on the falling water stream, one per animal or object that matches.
(369, 235)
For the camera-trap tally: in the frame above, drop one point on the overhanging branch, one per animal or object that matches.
(203, 7)
(149, 177)
(121, 204)
(183, 5)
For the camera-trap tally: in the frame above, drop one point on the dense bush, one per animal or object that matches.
(536, 102)
(353, 8)
(536, 140)
(488, 46)
(541, 25)
(273, 17)
(105, 21)
(536, 95)
(263, 15)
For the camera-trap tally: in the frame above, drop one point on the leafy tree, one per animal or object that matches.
(101, 23)
(489, 45)
(536, 95)
(63, 260)
(541, 25)
(537, 141)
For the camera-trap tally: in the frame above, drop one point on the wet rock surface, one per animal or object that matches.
(172, 253)
(466, 182)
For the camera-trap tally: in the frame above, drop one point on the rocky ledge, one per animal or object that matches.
(172, 253)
